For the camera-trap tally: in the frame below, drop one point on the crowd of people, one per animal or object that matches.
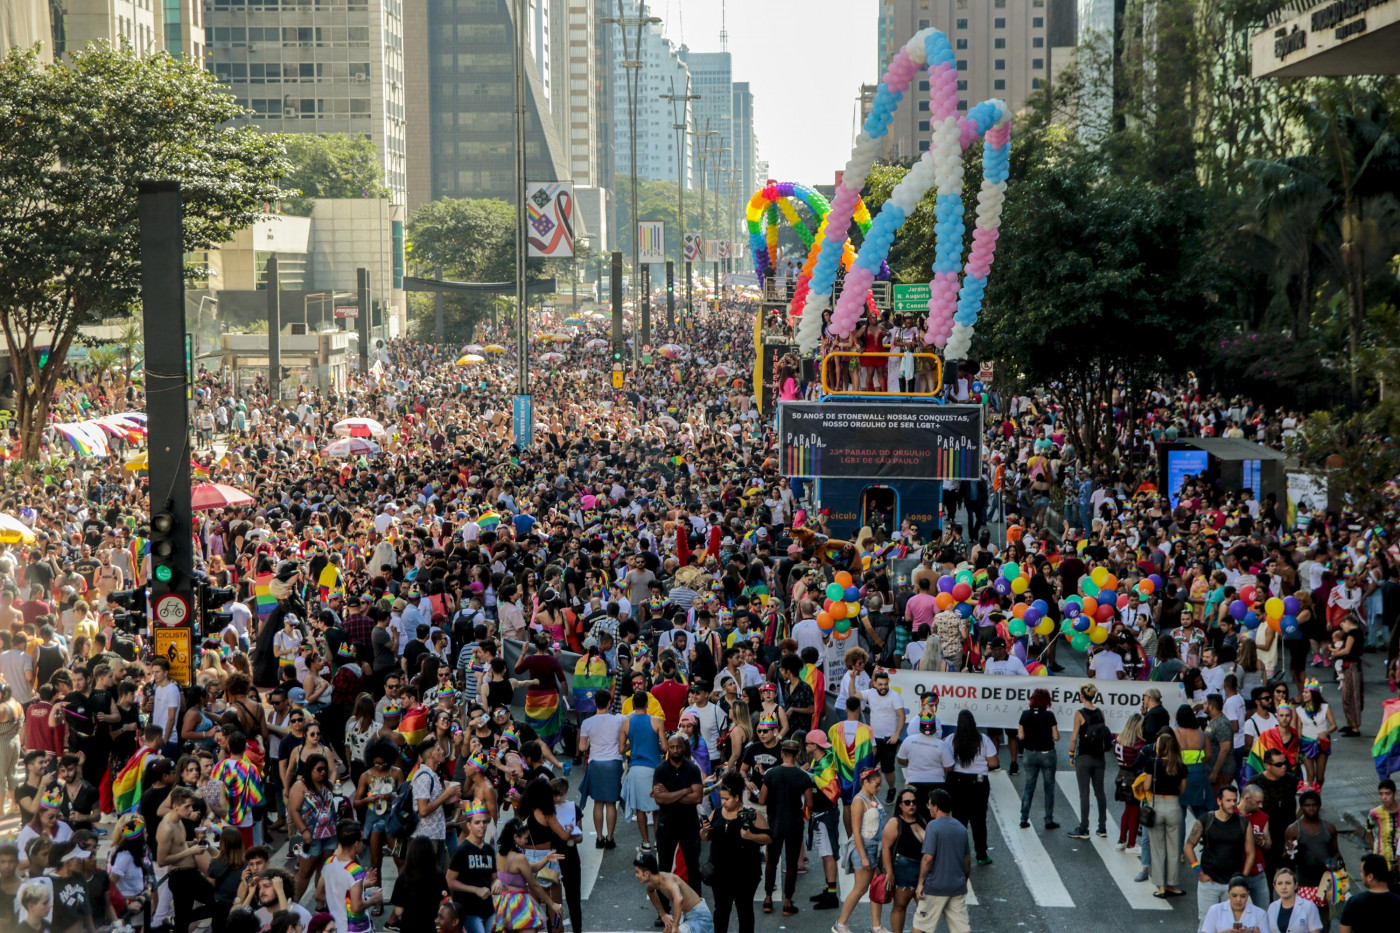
(395, 674)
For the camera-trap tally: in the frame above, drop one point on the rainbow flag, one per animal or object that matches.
(1268, 740)
(330, 581)
(126, 785)
(136, 550)
(1386, 749)
(544, 715)
(590, 676)
(851, 757)
(244, 785)
(356, 922)
(262, 592)
(813, 677)
(413, 726)
(824, 775)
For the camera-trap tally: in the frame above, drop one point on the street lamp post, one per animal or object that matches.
(632, 64)
(522, 411)
(681, 124)
(702, 153)
(718, 152)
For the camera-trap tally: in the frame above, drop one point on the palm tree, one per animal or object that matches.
(131, 336)
(1339, 195)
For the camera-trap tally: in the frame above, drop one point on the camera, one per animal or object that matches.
(746, 818)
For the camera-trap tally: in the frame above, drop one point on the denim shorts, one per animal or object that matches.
(906, 872)
(316, 848)
(376, 822)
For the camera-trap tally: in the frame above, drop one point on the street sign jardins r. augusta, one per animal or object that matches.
(911, 299)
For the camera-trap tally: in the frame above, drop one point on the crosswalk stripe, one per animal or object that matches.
(1036, 867)
(1122, 868)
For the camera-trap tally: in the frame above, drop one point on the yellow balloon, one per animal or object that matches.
(1099, 576)
(852, 610)
(1045, 626)
(1020, 585)
(1098, 634)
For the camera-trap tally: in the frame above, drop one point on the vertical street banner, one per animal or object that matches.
(723, 249)
(692, 247)
(549, 216)
(871, 440)
(651, 241)
(712, 250)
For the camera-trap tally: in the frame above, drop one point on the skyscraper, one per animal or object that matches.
(317, 69)
(467, 76)
(1000, 47)
(712, 77)
(182, 26)
(663, 71)
(745, 144)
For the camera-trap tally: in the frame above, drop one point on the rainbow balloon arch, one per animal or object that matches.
(773, 203)
(957, 287)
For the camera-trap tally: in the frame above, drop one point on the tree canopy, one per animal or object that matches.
(331, 165)
(75, 140)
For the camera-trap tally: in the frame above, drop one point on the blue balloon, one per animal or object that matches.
(1288, 624)
(1251, 620)
(1040, 605)
(964, 610)
(852, 594)
(977, 387)
(1082, 623)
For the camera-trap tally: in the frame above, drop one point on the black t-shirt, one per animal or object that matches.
(1367, 912)
(760, 758)
(70, 902)
(476, 866)
(786, 786)
(124, 745)
(1038, 724)
(150, 804)
(84, 800)
(680, 817)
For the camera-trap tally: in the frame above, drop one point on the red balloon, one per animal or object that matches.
(962, 592)
(1122, 600)
(1248, 594)
(1103, 614)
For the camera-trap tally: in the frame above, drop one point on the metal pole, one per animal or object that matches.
(362, 287)
(646, 306)
(617, 344)
(681, 125)
(437, 308)
(274, 331)
(689, 292)
(522, 326)
(670, 295)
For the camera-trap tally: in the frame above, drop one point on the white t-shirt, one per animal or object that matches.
(928, 759)
(62, 832)
(1106, 665)
(239, 616)
(978, 765)
(602, 732)
(338, 882)
(884, 712)
(264, 916)
(807, 634)
(1235, 711)
(1012, 666)
(852, 684)
(1215, 678)
(285, 641)
(1221, 919)
(713, 721)
(166, 699)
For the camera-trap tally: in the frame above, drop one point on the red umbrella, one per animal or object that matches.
(217, 496)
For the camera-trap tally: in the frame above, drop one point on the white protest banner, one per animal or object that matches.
(998, 700)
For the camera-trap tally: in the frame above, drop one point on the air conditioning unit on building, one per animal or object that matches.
(289, 112)
(361, 76)
(298, 330)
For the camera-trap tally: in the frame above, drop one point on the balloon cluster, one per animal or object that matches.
(1089, 615)
(840, 608)
(1252, 608)
(774, 201)
(956, 300)
(955, 592)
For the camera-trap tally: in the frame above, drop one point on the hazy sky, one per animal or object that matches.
(804, 60)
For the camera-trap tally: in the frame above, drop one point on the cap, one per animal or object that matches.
(792, 745)
(768, 688)
(818, 738)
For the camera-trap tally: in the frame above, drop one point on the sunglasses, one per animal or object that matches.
(908, 803)
(1273, 764)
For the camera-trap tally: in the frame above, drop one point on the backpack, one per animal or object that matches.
(403, 812)
(1096, 738)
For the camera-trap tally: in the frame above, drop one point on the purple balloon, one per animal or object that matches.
(1291, 606)
(946, 584)
(1018, 648)
(1156, 579)
(1072, 610)
(1032, 616)
(1002, 586)
(1238, 609)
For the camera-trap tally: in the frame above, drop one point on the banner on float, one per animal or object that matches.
(651, 241)
(870, 440)
(998, 700)
(550, 214)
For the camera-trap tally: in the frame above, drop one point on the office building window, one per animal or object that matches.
(923, 126)
(999, 84)
(923, 85)
(999, 22)
(961, 24)
(962, 45)
(962, 105)
(1038, 42)
(923, 145)
(999, 43)
(1037, 22)
(923, 24)
(962, 84)
(1000, 4)
(1038, 64)
(923, 106)
(1035, 83)
(999, 64)
(962, 64)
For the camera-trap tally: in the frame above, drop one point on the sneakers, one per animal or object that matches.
(827, 900)
(984, 860)
(1120, 847)
(1079, 833)
(1025, 824)
(1141, 876)
(1101, 833)
(840, 928)
(889, 796)
(1015, 768)
(1052, 825)
(1133, 850)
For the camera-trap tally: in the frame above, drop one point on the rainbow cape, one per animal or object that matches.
(1386, 749)
(262, 591)
(1269, 740)
(244, 785)
(824, 775)
(136, 550)
(330, 581)
(590, 676)
(851, 757)
(813, 677)
(126, 785)
(414, 725)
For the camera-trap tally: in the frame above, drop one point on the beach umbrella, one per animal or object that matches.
(668, 421)
(574, 322)
(473, 348)
(471, 359)
(551, 357)
(557, 338)
(14, 531)
(217, 496)
(358, 427)
(348, 447)
(493, 348)
(597, 343)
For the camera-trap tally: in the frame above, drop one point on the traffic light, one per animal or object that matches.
(617, 354)
(164, 569)
(132, 618)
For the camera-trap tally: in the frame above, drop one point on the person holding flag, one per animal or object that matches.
(823, 833)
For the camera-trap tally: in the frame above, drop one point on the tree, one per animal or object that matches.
(658, 200)
(331, 165)
(74, 142)
(1100, 284)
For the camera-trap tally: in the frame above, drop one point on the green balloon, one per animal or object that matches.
(1079, 641)
(1075, 599)
(1017, 628)
(964, 576)
(1067, 627)
(1090, 587)
(834, 592)
(843, 625)
(1011, 570)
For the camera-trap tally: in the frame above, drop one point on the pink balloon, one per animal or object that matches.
(590, 501)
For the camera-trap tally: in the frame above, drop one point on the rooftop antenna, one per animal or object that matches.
(723, 32)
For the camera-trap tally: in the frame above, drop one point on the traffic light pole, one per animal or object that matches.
(274, 330)
(617, 344)
(689, 291)
(670, 295)
(168, 430)
(646, 306)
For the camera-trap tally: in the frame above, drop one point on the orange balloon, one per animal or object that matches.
(825, 621)
(837, 611)
(944, 601)
(1274, 624)
(843, 579)
(1111, 583)
(1090, 605)
(1146, 586)
(1019, 610)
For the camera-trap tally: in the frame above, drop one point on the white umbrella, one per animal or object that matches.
(668, 421)
(358, 427)
(597, 343)
(473, 348)
(348, 447)
(550, 357)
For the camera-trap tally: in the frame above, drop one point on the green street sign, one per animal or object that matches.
(911, 298)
